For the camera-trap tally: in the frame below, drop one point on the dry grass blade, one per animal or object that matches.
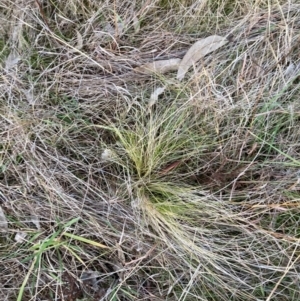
(119, 182)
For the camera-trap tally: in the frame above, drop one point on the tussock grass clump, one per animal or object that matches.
(207, 233)
(111, 195)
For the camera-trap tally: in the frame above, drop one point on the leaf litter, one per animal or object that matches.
(200, 49)
(197, 51)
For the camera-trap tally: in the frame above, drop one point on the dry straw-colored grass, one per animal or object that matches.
(194, 197)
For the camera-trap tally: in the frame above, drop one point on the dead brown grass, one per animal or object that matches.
(196, 198)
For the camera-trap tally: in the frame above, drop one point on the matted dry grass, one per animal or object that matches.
(194, 197)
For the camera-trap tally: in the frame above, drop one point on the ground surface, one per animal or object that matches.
(109, 191)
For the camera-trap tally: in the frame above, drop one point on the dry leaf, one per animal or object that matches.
(161, 67)
(115, 31)
(197, 51)
(12, 60)
(170, 167)
(3, 221)
(90, 278)
(291, 71)
(36, 221)
(20, 237)
(29, 96)
(107, 155)
(154, 96)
